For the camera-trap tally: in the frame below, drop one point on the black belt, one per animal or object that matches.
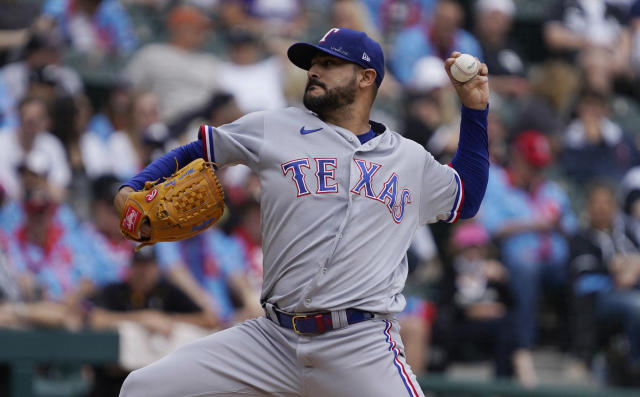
(318, 323)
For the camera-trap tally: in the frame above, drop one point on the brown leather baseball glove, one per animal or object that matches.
(177, 208)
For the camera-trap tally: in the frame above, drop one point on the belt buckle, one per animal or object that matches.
(297, 331)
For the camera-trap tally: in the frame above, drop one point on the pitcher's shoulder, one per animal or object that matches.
(408, 144)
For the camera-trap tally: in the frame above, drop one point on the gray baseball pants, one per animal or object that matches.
(260, 358)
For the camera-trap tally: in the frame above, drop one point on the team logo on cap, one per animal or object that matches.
(333, 30)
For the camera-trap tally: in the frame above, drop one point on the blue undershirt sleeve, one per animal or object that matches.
(471, 161)
(164, 166)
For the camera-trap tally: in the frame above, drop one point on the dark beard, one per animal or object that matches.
(333, 99)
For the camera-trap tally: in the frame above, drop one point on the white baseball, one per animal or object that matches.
(464, 68)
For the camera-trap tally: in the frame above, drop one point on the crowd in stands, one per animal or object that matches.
(558, 232)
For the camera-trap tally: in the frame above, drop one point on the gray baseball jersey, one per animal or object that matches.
(337, 219)
(337, 215)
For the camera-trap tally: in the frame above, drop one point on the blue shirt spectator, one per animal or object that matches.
(104, 27)
(506, 202)
(392, 16)
(111, 258)
(51, 251)
(530, 216)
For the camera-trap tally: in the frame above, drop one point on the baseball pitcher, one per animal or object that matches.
(342, 196)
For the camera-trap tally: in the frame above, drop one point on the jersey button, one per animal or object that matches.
(307, 301)
(324, 270)
(339, 236)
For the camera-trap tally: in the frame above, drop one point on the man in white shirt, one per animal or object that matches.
(31, 142)
(181, 76)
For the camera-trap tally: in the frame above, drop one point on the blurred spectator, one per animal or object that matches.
(220, 109)
(444, 141)
(156, 140)
(597, 72)
(8, 117)
(47, 249)
(51, 264)
(593, 135)
(31, 177)
(152, 316)
(430, 104)
(18, 309)
(634, 14)
(223, 109)
(282, 18)
(255, 82)
(606, 283)
(113, 114)
(353, 14)
(501, 53)
(576, 25)
(392, 16)
(630, 198)
(247, 233)
(122, 152)
(442, 35)
(70, 117)
(113, 253)
(215, 276)
(93, 27)
(107, 147)
(620, 91)
(554, 87)
(148, 135)
(15, 21)
(530, 217)
(177, 73)
(41, 64)
(31, 142)
(480, 303)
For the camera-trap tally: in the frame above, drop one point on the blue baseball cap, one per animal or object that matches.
(348, 44)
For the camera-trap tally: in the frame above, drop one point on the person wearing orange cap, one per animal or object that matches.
(180, 75)
(530, 216)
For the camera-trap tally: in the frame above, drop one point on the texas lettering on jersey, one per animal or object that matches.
(388, 194)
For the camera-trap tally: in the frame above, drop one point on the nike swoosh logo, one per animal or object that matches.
(304, 132)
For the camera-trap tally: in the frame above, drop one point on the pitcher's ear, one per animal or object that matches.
(368, 77)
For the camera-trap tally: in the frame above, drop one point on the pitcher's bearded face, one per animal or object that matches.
(332, 84)
(321, 100)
